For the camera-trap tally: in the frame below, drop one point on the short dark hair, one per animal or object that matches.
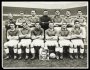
(45, 10)
(76, 21)
(24, 22)
(79, 10)
(22, 12)
(13, 23)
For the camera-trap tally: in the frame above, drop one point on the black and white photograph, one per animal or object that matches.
(44, 35)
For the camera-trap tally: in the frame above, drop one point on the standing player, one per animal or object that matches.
(51, 40)
(81, 18)
(57, 19)
(9, 21)
(19, 21)
(33, 18)
(25, 34)
(68, 19)
(64, 40)
(12, 36)
(77, 39)
(37, 35)
(45, 20)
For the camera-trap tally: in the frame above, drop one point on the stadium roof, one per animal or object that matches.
(46, 5)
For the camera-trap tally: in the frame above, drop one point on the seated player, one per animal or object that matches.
(37, 35)
(24, 35)
(64, 40)
(51, 40)
(12, 36)
(77, 39)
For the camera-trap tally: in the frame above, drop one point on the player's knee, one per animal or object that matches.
(61, 49)
(19, 51)
(32, 50)
(81, 50)
(19, 45)
(27, 50)
(75, 50)
(15, 50)
(71, 50)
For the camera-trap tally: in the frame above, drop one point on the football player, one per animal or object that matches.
(81, 18)
(77, 39)
(37, 35)
(12, 36)
(24, 35)
(9, 21)
(64, 40)
(33, 18)
(68, 19)
(51, 40)
(21, 19)
(57, 19)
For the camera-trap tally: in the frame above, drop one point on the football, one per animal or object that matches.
(52, 55)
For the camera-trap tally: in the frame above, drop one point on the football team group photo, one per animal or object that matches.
(45, 34)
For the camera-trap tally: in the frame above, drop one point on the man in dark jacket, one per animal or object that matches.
(45, 20)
